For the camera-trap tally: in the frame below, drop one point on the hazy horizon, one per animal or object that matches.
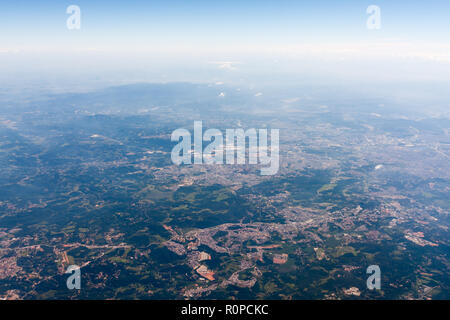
(251, 42)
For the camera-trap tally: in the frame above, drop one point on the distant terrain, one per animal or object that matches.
(87, 179)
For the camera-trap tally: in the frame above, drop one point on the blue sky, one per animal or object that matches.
(172, 39)
(114, 23)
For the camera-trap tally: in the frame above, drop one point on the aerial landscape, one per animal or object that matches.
(91, 185)
(87, 179)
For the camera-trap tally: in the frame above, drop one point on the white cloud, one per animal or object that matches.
(228, 65)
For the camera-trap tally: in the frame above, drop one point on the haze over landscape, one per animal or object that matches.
(87, 179)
